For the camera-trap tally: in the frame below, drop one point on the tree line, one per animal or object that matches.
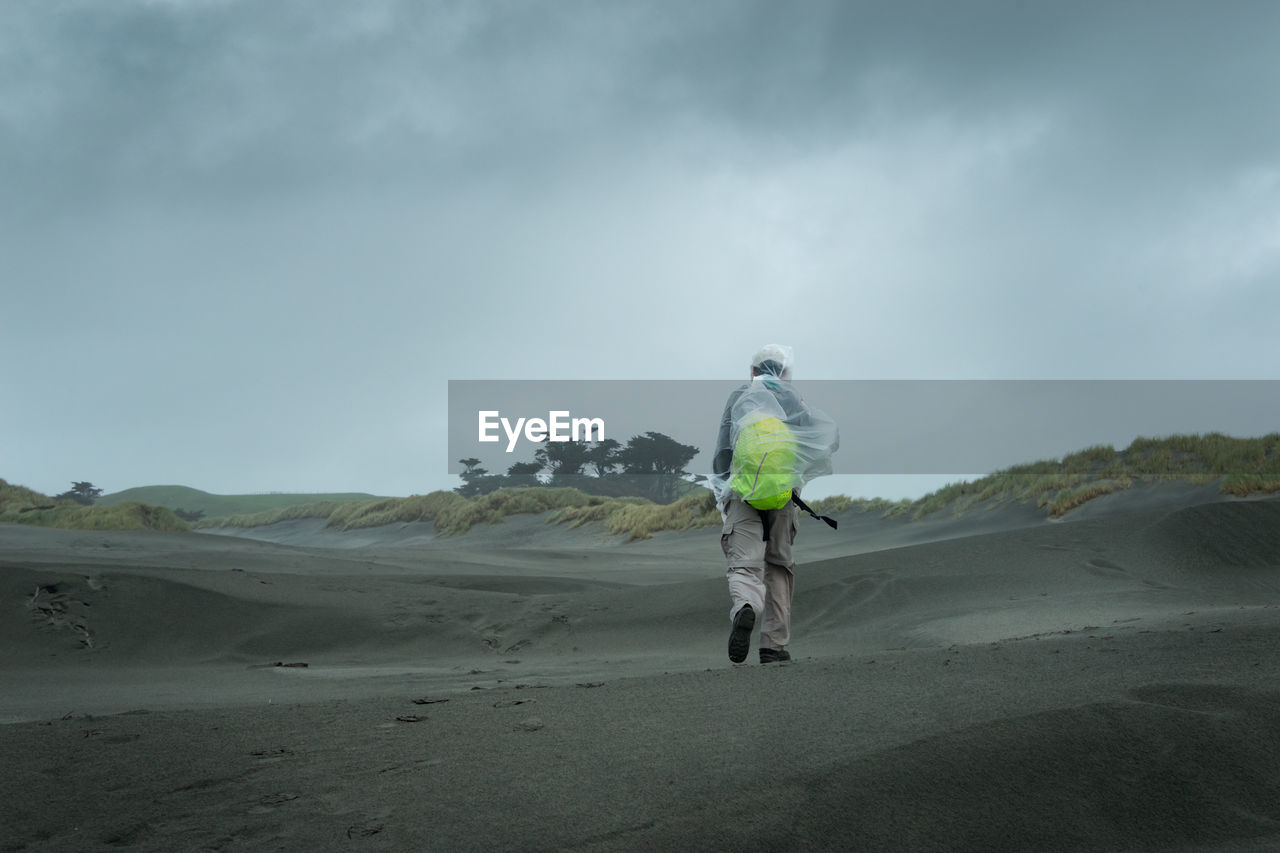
(651, 465)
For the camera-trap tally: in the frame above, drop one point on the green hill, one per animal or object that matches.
(221, 506)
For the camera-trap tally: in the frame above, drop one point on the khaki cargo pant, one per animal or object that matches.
(761, 573)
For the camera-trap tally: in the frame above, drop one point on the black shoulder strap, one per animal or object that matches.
(804, 506)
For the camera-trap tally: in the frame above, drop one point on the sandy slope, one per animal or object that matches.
(1109, 683)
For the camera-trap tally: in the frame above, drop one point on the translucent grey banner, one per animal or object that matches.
(961, 427)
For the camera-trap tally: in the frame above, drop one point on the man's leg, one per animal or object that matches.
(775, 631)
(779, 582)
(746, 586)
(741, 539)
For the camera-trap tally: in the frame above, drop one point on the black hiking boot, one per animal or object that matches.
(740, 639)
(774, 655)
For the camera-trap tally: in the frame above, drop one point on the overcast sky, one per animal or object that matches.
(244, 245)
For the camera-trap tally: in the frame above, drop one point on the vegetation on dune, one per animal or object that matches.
(360, 514)
(453, 514)
(450, 512)
(199, 505)
(493, 507)
(1241, 466)
(321, 509)
(640, 519)
(835, 504)
(83, 493)
(20, 505)
(16, 498)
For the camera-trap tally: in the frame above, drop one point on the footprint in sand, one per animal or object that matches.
(1105, 568)
(268, 803)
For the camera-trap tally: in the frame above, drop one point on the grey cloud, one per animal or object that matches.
(308, 202)
(262, 95)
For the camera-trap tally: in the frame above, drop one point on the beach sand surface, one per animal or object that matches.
(994, 682)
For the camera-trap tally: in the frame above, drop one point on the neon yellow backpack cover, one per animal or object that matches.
(764, 462)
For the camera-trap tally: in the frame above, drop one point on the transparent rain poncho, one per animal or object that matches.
(771, 441)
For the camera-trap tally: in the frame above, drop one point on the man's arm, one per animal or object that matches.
(722, 461)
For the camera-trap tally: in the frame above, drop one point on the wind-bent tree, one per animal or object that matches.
(603, 456)
(650, 465)
(81, 493)
(523, 474)
(659, 456)
(561, 458)
(472, 478)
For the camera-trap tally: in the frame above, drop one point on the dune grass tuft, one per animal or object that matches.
(451, 513)
(640, 519)
(14, 497)
(832, 504)
(641, 522)
(426, 507)
(323, 509)
(1242, 466)
(20, 505)
(1066, 500)
(493, 507)
(350, 515)
(218, 506)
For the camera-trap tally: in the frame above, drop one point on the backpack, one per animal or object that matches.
(764, 463)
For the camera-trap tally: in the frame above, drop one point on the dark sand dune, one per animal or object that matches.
(1242, 536)
(1169, 767)
(1000, 683)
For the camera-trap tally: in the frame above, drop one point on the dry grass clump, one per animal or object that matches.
(20, 505)
(1243, 485)
(451, 513)
(14, 498)
(493, 507)
(836, 504)
(639, 518)
(1242, 466)
(1068, 499)
(217, 506)
(597, 509)
(641, 521)
(428, 507)
(122, 516)
(350, 515)
(833, 504)
(322, 509)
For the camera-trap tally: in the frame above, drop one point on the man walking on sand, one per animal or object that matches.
(770, 444)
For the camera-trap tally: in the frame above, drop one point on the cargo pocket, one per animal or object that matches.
(726, 533)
